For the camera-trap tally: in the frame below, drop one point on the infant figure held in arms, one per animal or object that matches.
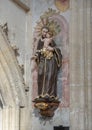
(47, 50)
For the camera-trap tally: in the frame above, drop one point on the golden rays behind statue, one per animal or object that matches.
(46, 20)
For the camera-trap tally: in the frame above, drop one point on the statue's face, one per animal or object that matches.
(44, 32)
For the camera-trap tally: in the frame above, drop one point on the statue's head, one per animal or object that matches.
(44, 31)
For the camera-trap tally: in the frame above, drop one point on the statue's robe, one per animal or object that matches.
(48, 70)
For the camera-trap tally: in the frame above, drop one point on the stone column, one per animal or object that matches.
(10, 118)
(25, 120)
(88, 68)
(80, 66)
(0, 119)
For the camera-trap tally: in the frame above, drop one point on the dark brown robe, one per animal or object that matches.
(48, 70)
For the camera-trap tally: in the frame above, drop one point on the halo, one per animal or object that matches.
(45, 20)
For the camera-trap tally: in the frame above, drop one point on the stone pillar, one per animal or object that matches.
(25, 121)
(10, 119)
(0, 119)
(88, 68)
(80, 66)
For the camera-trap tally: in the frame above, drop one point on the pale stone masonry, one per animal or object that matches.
(81, 65)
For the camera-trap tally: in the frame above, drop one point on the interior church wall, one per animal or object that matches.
(19, 33)
(18, 21)
(16, 18)
(76, 113)
(80, 65)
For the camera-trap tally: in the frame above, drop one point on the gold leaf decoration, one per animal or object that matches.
(45, 20)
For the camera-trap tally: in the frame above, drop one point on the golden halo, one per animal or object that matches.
(62, 5)
(53, 26)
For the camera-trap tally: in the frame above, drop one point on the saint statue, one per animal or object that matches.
(48, 58)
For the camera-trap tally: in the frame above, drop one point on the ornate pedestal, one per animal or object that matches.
(46, 105)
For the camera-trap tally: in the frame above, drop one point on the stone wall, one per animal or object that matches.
(80, 65)
(20, 27)
(12, 82)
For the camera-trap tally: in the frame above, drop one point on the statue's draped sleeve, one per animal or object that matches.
(58, 55)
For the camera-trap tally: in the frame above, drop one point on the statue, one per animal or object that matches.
(49, 59)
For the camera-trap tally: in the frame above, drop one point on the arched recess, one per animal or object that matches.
(12, 89)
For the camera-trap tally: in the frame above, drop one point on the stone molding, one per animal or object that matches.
(11, 80)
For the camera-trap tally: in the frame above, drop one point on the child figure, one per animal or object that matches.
(47, 49)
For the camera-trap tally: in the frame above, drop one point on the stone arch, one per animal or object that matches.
(12, 89)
